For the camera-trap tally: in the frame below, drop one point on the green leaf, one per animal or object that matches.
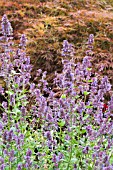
(89, 167)
(24, 91)
(90, 81)
(78, 152)
(78, 129)
(10, 92)
(111, 159)
(83, 131)
(85, 117)
(86, 93)
(16, 110)
(16, 86)
(89, 107)
(63, 96)
(89, 69)
(61, 123)
(77, 96)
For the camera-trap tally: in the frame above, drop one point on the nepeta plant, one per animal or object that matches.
(40, 132)
(15, 70)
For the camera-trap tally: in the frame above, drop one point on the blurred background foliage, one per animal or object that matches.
(47, 23)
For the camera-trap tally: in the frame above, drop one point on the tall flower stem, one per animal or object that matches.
(71, 144)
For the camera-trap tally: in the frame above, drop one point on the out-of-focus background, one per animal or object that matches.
(47, 23)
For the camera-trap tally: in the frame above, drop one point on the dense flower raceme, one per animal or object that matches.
(7, 29)
(39, 132)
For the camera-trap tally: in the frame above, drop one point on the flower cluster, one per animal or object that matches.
(72, 131)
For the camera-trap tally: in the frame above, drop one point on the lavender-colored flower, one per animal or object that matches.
(2, 167)
(28, 162)
(1, 90)
(23, 41)
(4, 117)
(1, 126)
(23, 110)
(32, 86)
(89, 129)
(49, 117)
(86, 62)
(8, 135)
(48, 135)
(19, 167)
(110, 104)
(81, 107)
(97, 147)
(4, 105)
(90, 45)
(27, 60)
(19, 141)
(75, 167)
(11, 155)
(10, 67)
(54, 158)
(110, 167)
(106, 159)
(21, 136)
(17, 127)
(67, 49)
(67, 137)
(65, 46)
(57, 158)
(5, 151)
(85, 150)
(1, 160)
(105, 85)
(60, 156)
(12, 99)
(91, 39)
(37, 93)
(29, 153)
(6, 26)
(39, 71)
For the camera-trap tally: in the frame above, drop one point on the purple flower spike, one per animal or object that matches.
(1, 126)
(91, 39)
(28, 163)
(1, 160)
(4, 105)
(23, 110)
(67, 49)
(2, 167)
(54, 158)
(48, 135)
(19, 167)
(29, 153)
(6, 26)
(85, 150)
(23, 41)
(11, 158)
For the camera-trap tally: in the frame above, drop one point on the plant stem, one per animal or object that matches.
(71, 147)
(69, 156)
